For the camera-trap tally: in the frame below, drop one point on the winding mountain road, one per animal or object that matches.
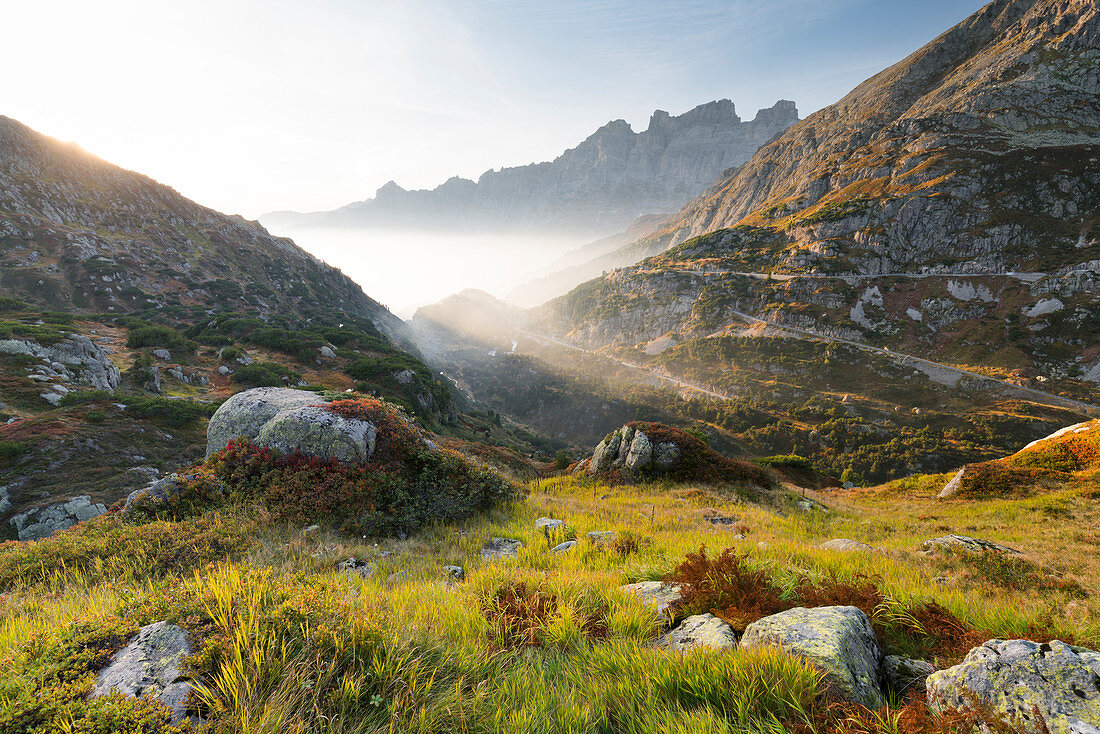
(909, 359)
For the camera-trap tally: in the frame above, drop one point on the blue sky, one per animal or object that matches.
(253, 105)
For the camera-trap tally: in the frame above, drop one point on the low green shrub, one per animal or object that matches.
(11, 449)
(165, 410)
(265, 374)
(159, 336)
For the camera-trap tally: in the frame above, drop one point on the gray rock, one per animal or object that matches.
(153, 383)
(244, 414)
(953, 487)
(44, 522)
(157, 492)
(1016, 677)
(548, 524)
(75, 356)
(326, 351)
(313, 431)
(661, 595)
(963, 542)
(454, 573)
(844, 544)
(640, 454)
(361, 568)
(665, 455)
(563, 547)
(162, 354)
(902, 674)
(700, 630)
(601, 536)
(605, 453)
(149, 668)
(837, 640)
(500, 548)
(223, 370)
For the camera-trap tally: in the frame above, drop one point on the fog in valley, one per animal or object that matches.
(404, 269)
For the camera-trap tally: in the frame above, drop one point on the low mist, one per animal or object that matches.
(406, 269)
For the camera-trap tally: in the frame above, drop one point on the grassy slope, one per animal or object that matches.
(409, 653)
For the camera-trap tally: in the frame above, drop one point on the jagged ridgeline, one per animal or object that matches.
(947, 207)
(78, 233)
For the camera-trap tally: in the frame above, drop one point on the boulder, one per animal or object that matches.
(157, 492)
(902, 674)
(663, 596)
(356, 566)
(500, 548)
(563, 547)
(953, 487)
(700, 630)
(163, 354)
(149, 668)
(640, 454)
(606, 452)
(844, 544)
(548, 524)
(1019, 678)
(44, 522)
(600, 537)
(963, 542)
(837, 640)
(453, 573)
(288, 421)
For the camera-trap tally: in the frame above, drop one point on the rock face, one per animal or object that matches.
(44, 522)
(700, 630)
(149, 667)
(1016, 677)
(286, 421)
(631, 448)
(838, 640)
(82, 233)
(902, 674)
(597, 188)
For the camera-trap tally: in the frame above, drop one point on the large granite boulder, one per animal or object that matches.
(288, 421)
(44, 522)
(837, 640)
(149, 667)
(1019, 678)
(700, 631)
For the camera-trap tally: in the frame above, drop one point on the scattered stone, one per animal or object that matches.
(163, 354)
(844, 544)
(157, 492)
(600, 537)
(563, 547)
(153, 383)
(223, 370)
(903, 674)
(664, 596)
(361, 568)
(149, 668)
(700, 630)
(953, 487)
(454, 573)
(723, 521)
(44, 522)
(963, 542)
(548, 525)
(326, 351)
(1018, 678)
(806, 504)
(837, 640)
(500, 548)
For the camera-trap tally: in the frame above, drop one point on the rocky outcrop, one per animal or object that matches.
(149, 667)
(1020, 679)
(595, 189)
(902, 675)
(631, 448)
(700, 630)
(74, 359)
(289, 421)
(41, 523)
(837, 640)
(160, 491)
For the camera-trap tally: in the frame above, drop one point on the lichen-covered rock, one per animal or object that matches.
(563, 547)
(665, 455)
(606, 452)
(453, 574)
(965, 543)
(902, 674)
(1019, 677)
(44, 522)
(837, 640)
(313, 431)
(289, 421)
(661, 595)
(158, 492)
(700, 630)
(846, 545)
(149, 668)
(500, 548)
(640, 454)
(548, 525)
(600, 537)
(356, 566)
(244, 414)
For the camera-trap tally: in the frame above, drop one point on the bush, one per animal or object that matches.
(167, 411)
(159, 336)
(265, 374)
(12, 304)
(787, 461)
(11, 449)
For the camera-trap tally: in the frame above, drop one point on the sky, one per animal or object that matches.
(250, 106)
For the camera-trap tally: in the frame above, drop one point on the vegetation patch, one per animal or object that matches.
(265, 374)
(698, 462)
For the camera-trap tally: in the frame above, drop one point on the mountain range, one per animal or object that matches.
(595, 189)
